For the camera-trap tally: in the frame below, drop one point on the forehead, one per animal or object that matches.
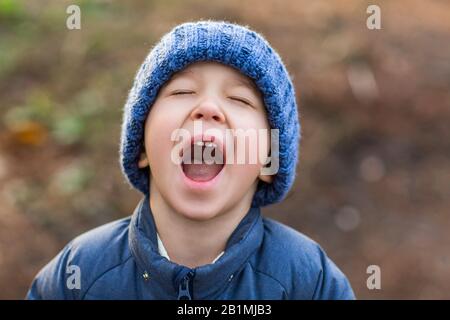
(219, 70)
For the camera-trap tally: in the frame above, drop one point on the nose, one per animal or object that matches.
(208, 110)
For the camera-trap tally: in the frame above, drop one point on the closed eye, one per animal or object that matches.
(244, 101)
(181, 92)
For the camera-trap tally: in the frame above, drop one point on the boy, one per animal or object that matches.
(198, 232)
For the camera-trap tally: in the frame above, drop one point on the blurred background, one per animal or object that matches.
(373, 180)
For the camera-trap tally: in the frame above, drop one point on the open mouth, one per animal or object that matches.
(203, 159)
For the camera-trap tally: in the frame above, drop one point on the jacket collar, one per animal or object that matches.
(209, 280)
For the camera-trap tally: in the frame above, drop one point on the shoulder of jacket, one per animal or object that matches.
(98, 251)
(97, 240)
(82, 262)
(289, 244)
(290, 257)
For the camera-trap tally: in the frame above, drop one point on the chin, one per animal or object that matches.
(199, 210)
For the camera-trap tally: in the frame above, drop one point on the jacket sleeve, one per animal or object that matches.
(332, 284)
(51, 283)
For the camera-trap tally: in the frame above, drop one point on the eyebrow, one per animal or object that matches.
(246, 82)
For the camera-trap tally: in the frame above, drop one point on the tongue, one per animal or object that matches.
(201, 172)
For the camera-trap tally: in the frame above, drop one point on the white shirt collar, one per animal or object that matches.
(163, 251)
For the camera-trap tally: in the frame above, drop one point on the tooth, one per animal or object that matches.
(210, 145)
(199, 143)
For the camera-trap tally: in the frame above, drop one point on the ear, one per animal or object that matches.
(143, 160)
(266, 178)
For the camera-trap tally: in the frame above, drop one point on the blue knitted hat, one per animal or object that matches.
(232, 45)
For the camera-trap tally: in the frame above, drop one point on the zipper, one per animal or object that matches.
(185, 287)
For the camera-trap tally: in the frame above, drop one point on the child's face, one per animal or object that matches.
(221, 98)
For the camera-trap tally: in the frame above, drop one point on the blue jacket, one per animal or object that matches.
(263, 259)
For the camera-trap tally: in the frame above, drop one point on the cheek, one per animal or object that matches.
(255, 149)
(246, 174)
(159, 127)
